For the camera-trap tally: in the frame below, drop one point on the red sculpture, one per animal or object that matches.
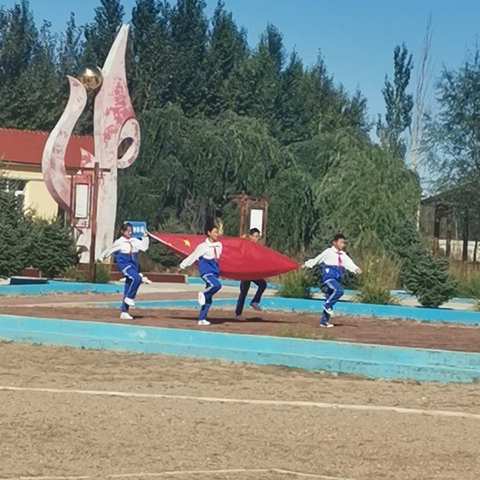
(241, 258)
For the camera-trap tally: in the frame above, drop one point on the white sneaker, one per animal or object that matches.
(326, 325)
(201, 299)
(146, 280)
(125, 316)
(129, 301)
(239, 318)
(329, 311)
(256, 306)
(204, 322)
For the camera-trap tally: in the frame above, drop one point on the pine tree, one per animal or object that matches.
(15, 235)
(100, 34)
(398, 103)
(55, 249)
(428, 279)
(291, 120)
(152, 69)
(18, 38)
(227, 49)
(189, 35)
(70, 49)
(32, 100)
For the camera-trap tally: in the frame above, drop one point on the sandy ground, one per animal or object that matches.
(352, 329)
(81, 435)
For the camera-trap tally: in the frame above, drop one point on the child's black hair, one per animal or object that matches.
(209, 226)
(338, 236)
(125, 226)
(254, 230)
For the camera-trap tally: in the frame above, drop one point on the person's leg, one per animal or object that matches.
(244, 287)
(325, 319)
(335, 293)
(213, 286)
(262, 286)
(135, 281)
(125, 307)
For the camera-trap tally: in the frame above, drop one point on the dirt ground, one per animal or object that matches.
(74, 432)
(352, 329)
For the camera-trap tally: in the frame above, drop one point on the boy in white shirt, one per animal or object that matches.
(335, 262)
(207, 254)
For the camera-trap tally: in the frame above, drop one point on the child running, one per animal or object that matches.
(254, 235)
(334, 261)
(207, 254)
(125, 253)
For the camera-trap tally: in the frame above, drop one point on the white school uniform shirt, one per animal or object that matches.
(333, 258)
(127, 246)
(208, 250)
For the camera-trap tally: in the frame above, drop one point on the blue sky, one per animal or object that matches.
(356, 37)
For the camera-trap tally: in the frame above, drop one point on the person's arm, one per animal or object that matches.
(193, 257)
(117, 245)
(350, 264)
(143, 244)
(315, 261)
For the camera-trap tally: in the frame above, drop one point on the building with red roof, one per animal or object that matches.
(21, 166)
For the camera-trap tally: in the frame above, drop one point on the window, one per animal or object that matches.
(13, 185)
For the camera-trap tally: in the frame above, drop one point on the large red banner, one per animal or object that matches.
(241, 259)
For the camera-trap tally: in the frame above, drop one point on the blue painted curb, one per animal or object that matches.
(58, 287)
(399, 294)
(340, 357)
(419, 314)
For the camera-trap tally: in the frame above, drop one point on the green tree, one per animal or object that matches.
(189, 26)
(398, 103)
(227, 50)
(100, 34)
(367, 188)
(152, 70)
(452, 138)
(428, 279)
(70, 49)
(15, 235)
(18, 38)
(55, 249)
(31, 101)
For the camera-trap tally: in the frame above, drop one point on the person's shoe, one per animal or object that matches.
(239, 318)
(125, 316)
(130, 302)
(256, 306)
(329, 311)
(146, 280)
(326, 325)
(201, 299)
(204, 322)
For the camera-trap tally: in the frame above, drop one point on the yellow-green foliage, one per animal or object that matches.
(380, 275)
(295, 285)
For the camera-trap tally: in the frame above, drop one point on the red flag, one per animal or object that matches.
(241, 259)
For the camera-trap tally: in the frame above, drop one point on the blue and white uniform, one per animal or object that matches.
(335, 263)
(125, 253)
(207, 254)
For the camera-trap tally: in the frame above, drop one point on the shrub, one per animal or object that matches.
(74, 274)
(428, 279)
(296, 285)
(380, 275)
(55, 249)
(102, 273)
(16, 235)
(467, 277)
(161, 256)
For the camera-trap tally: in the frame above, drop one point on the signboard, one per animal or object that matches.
(139, 228)
(256, 219)
(82, 191)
